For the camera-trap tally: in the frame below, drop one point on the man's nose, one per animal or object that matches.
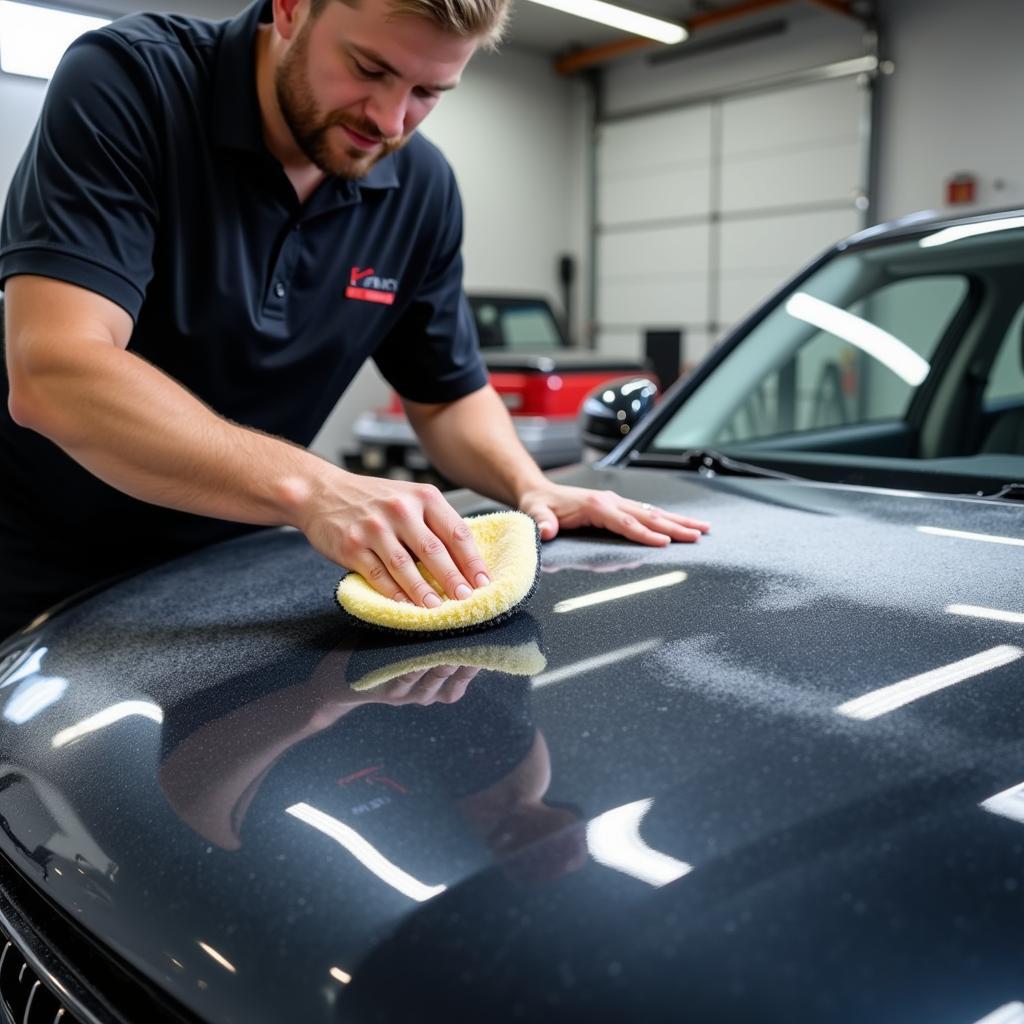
(386, 109)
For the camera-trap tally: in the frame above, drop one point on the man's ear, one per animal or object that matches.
(288, 16)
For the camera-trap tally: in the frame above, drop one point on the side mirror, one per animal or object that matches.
(613, 409)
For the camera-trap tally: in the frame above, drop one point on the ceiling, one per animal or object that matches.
(533, 27)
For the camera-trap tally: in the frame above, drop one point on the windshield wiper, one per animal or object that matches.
(1008, 492)
(706, 461)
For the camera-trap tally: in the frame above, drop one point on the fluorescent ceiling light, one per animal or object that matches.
(881, 702)
(339, 975)
(977, 612)
(988, 538)
(108, 716)
(668, 579)
(577, 668)
(879, 344)
(969, 231)
(366, 853)
(619, 17)
(33, 39)
(613, 839)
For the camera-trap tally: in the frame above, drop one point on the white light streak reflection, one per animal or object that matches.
(32, 697)
(578, 668)
(108, 716)
(214, 955)
(879, 344)
(613, 839)
(947, 235)
(367, 854)
(988, 538)
(1008, 804)
(30, 665)
(1010, 1013)
(339, 975)
(977, 612)
(881, 702)
(668, 579)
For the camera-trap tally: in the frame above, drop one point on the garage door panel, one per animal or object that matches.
(664, 301)
(655, 194)
(679, 137)
(829, 172)
(788, 118)
(682, 249)
(759, 254)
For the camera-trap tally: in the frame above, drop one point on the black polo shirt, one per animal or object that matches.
(147, 181)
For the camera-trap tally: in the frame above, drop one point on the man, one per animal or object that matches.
(213, 226)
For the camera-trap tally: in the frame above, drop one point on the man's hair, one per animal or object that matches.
(483, 19)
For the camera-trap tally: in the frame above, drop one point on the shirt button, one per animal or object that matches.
(279, 290)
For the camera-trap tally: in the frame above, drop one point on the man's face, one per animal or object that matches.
(355, 82)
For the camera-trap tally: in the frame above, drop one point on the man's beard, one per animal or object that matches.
(311, 129)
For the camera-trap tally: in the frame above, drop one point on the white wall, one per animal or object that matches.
(955, 103)
(21, 99)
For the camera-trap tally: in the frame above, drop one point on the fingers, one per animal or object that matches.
(458, 555)
(409, 525)
(543, 516)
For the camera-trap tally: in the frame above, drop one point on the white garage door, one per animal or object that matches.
(703, 210)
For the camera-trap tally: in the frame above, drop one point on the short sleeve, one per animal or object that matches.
(432, 354)
(82, 205)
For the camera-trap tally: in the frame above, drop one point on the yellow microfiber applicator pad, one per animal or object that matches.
(510, 545)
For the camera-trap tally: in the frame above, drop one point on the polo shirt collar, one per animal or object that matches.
(237, 123)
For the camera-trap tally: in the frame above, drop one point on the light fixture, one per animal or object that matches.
(620, 17)
(667, 579)
(339, 975)
(613, 839)
(881, 702)
(577, 668)
(365, 852)
(955, 234)
(33, 38)
(879, 344)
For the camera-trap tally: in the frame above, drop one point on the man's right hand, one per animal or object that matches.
(382, 528)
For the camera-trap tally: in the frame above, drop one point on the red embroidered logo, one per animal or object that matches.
(367, 286)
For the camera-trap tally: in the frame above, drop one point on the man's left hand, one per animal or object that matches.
(558, 505)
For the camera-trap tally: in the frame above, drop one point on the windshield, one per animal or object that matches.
(899, 349)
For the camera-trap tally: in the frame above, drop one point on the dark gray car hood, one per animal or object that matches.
(680, 816)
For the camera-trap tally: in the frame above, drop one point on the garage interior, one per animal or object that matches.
(682, 183)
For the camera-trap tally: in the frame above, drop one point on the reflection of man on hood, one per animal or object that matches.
(442, 741)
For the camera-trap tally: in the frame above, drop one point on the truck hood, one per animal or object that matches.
(775, 774)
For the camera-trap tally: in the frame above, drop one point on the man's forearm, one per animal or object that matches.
(143, 433)
(473, 442)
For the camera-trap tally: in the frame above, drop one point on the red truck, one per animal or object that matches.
(541, 378)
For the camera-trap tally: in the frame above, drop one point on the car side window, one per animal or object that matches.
(863, 365)
(529, 327)
(1006, 378)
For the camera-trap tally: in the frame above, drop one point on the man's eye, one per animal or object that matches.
(367, 72)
